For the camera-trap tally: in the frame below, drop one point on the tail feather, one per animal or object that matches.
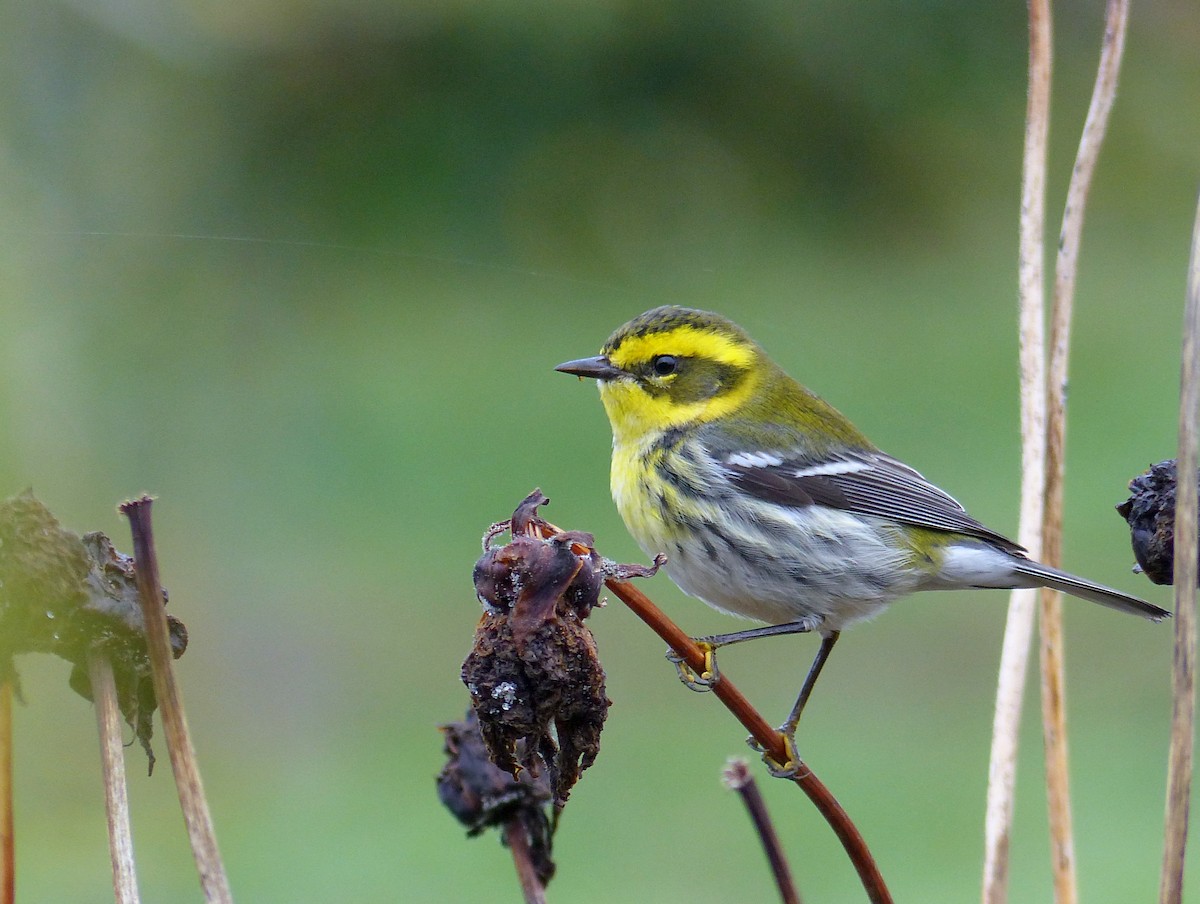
(1040, 575)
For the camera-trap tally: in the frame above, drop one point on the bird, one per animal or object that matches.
(771, 505)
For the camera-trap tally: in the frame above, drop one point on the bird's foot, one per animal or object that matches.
(703, 681)
(793, 768)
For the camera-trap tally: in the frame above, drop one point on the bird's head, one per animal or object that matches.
(669, 367)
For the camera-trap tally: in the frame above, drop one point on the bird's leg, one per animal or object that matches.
(706, 679)
(788, 728)
(814, 672)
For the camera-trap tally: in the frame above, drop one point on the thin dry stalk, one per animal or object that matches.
(517, 839)
(1104, 93)
(1018, 634)
(8, 860)
(1054, 739)
(1053, 668)
(112, 766)
(768, 738)
(1183, 685)
(192, 801)
(737, 776)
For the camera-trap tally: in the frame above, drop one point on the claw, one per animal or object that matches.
(704, 681)
(792, 769)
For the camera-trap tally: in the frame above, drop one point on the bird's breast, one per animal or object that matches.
(642, 498)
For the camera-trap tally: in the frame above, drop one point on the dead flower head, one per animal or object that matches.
(482, 796)
(534, 665)
(75, 597)
(1150, 511)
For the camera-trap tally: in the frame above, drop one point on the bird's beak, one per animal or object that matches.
(598, 368)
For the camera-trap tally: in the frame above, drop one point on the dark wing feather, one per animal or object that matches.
(870, 483)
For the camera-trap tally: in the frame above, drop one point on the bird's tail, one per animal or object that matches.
(1039, 575)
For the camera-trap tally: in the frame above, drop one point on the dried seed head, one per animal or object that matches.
(535, 678)
(70, 596)
(1150, 513)
(481, 796)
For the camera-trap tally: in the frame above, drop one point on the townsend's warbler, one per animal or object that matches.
(769, 503)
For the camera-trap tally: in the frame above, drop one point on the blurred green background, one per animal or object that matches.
(302, 270)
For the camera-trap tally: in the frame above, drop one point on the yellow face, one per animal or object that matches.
(678, 376)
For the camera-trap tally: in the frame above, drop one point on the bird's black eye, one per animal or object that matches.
(664, 365)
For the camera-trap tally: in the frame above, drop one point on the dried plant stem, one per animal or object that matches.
(1018, 634)
(1053, 669)
(1002, 765)
(1054, 738)
(112, 765)
(1104, 93)
(738, 778)
(1183, 685)
(8, 860)
(768, 737)
(517, 839)
(192, 801)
